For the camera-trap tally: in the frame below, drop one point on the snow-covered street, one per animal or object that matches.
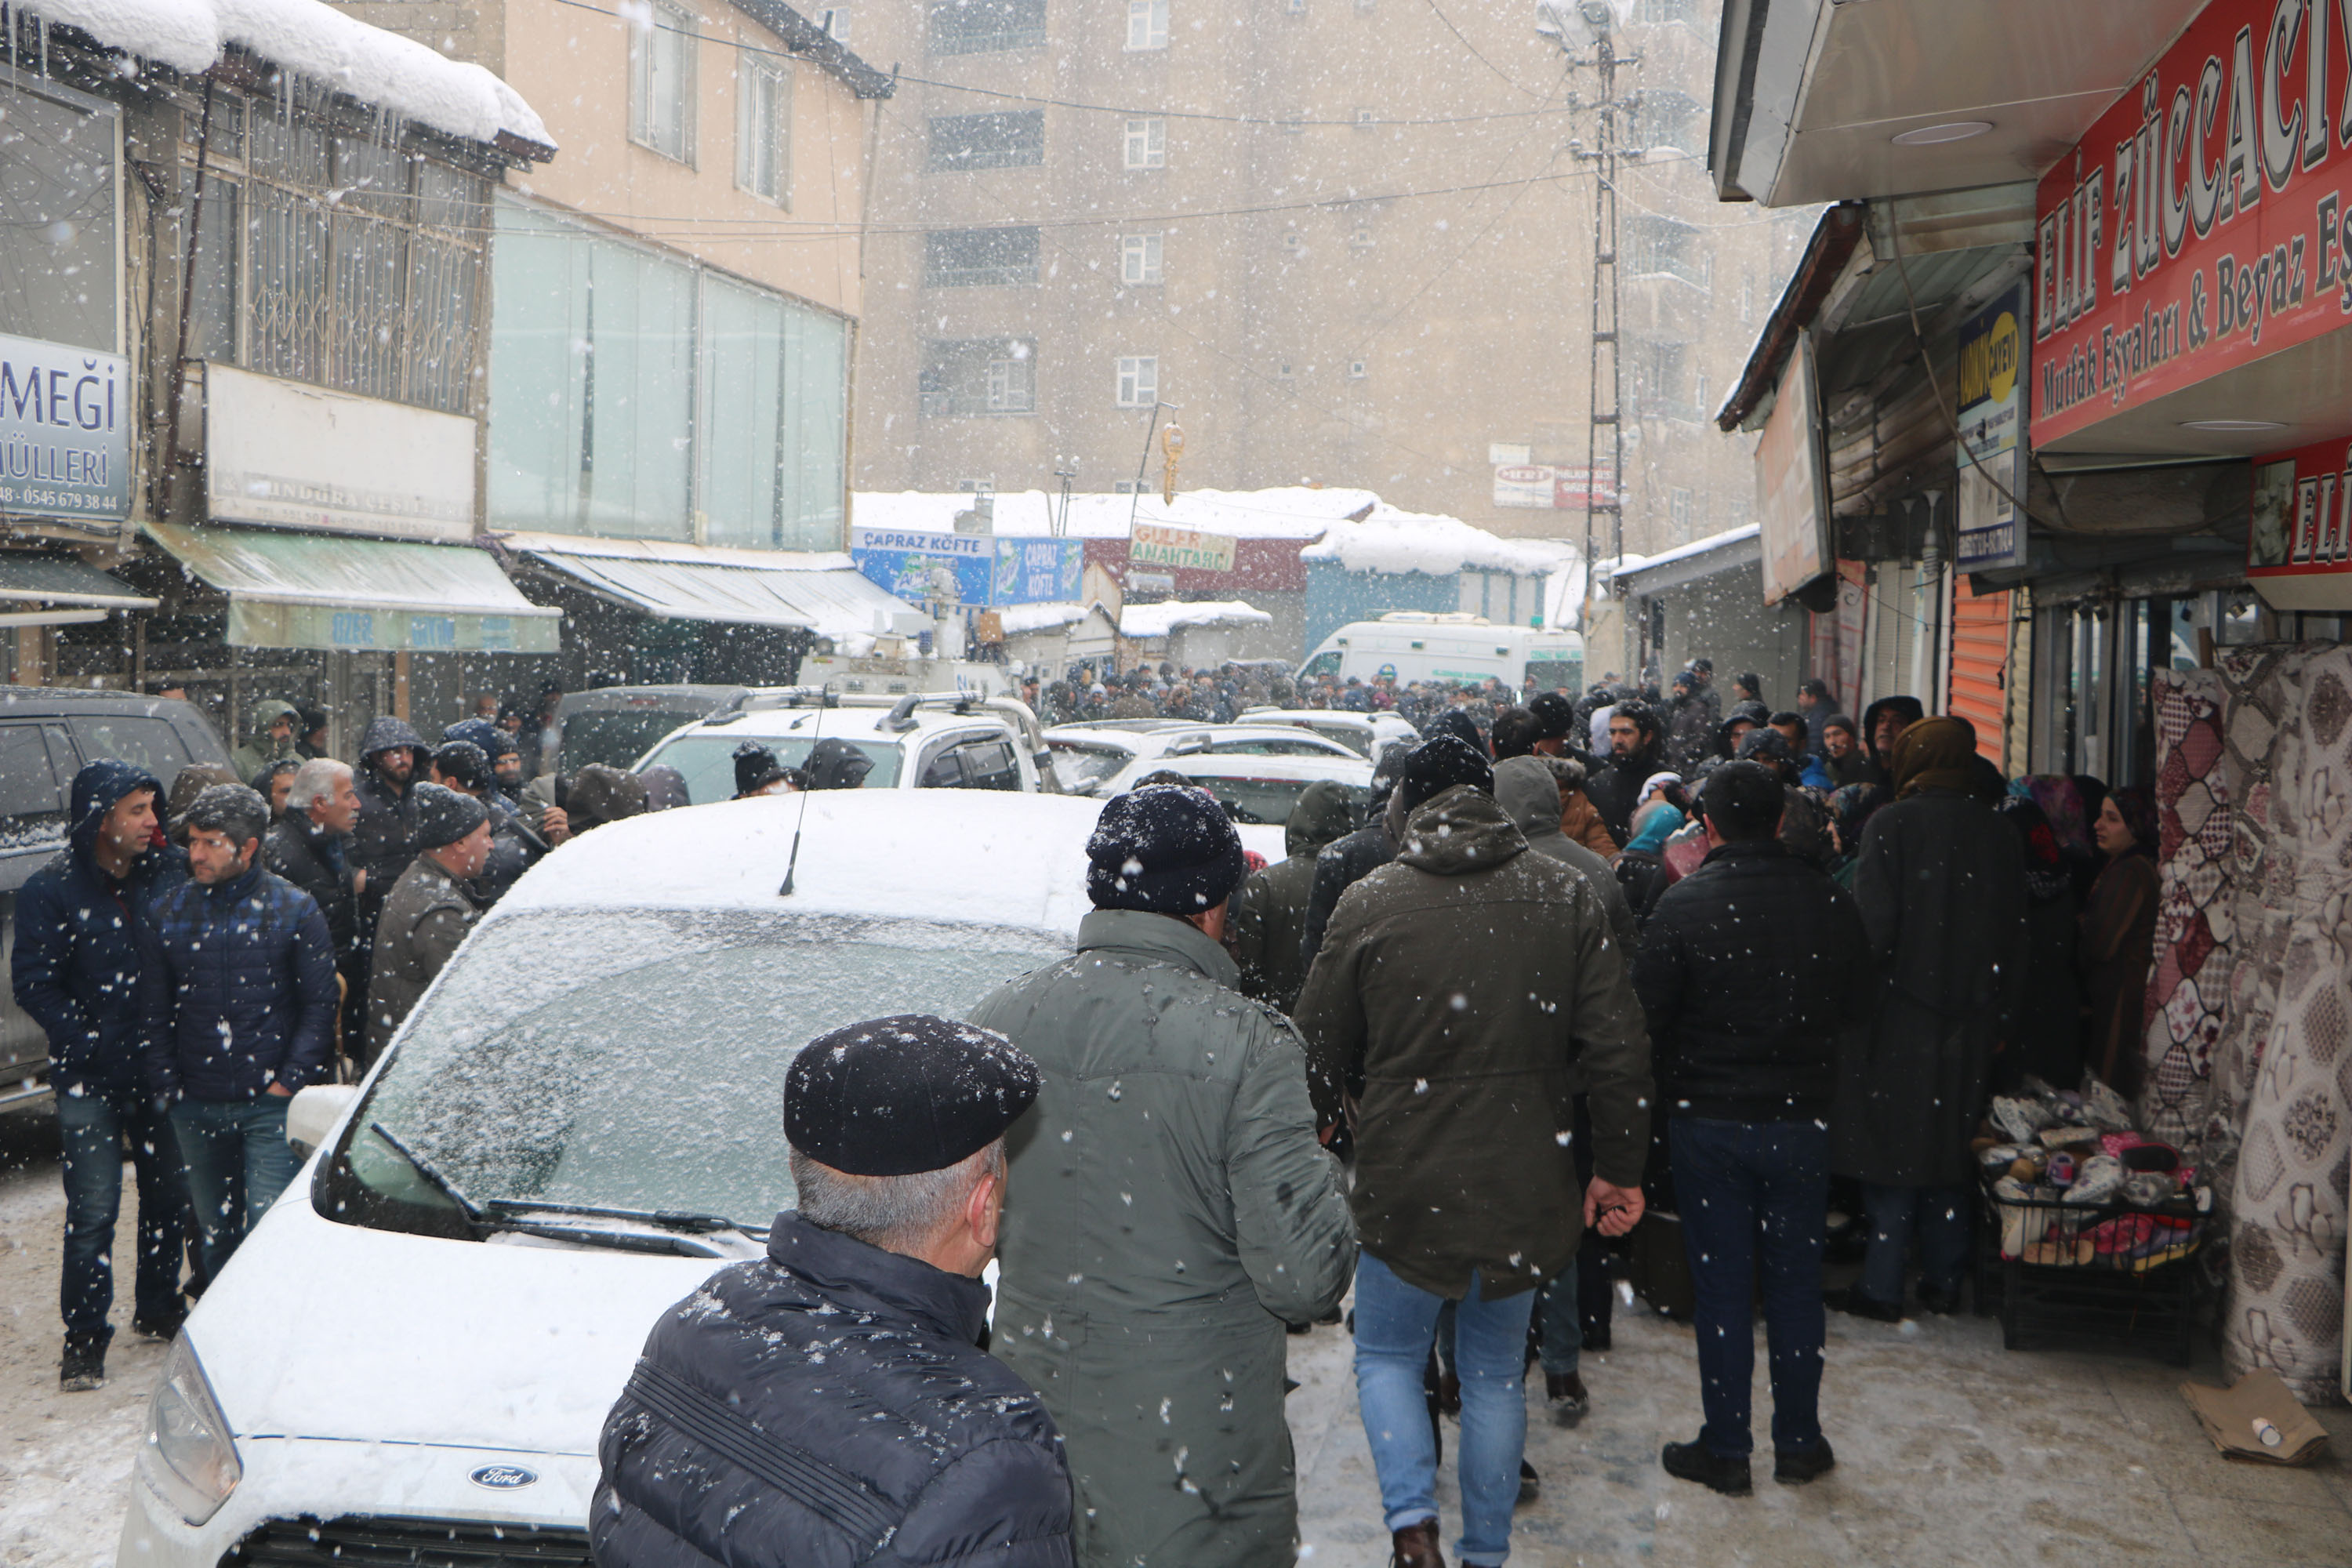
(1950, 1449)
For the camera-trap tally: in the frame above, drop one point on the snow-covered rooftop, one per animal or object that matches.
(1627, 563)
(1288, 512)
(1159, 620)
(315, 41)
(1397, 541)
(1018, 618)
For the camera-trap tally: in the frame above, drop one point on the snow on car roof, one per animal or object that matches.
(984, 857)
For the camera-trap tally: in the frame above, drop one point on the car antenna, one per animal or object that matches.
(808, 778)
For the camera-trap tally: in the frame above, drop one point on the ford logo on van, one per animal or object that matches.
(503, 1477)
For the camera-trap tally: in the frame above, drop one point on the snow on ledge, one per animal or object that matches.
(315, 41)
(1398, 542)
(1018, 619)
(1147, 621)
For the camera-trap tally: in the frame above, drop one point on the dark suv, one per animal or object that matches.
(46, 733)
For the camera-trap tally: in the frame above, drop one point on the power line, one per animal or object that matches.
(1482, 59)
(1263, 121)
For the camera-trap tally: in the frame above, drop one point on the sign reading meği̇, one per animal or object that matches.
(65, 431)
(2204, 222)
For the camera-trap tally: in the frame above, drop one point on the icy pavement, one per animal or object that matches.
(1950, 1449)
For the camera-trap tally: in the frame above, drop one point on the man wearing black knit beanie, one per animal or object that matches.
(1168, 1207)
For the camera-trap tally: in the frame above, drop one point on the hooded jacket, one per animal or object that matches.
(383, 840)
(1907, 708)
(241, 994)
(313, 860)
(1267, 926)
(1471, 986)
(1529, 796)
(828, 1405)
(263, 749)
(79, 936)
(1168, 1210)
(1750, 970)
(427, 915)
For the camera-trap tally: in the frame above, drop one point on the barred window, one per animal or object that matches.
(1008, 141)
(979, 26)
(1662, 246)
(972, 377)
(980, 258)
(335, 257)
(1668, 120)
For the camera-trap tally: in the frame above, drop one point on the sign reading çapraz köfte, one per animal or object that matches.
(2204, 222)
(65, 431)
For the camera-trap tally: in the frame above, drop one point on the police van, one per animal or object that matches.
(1406, 645)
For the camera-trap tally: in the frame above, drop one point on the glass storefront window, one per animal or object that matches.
(631, 391)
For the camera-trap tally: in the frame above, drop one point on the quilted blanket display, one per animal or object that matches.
(2249, 1029)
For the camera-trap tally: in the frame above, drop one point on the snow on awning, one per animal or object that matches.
(818, 591)
(332, 591)
(1394, 542)
(60, 590)
(1739, 547)
(315, 41)
(1144, 622)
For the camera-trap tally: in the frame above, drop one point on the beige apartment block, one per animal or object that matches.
(1351, 241)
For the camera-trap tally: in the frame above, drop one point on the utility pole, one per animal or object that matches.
(1583, 29)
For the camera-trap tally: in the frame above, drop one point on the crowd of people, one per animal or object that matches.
(1579, 959)
(1583, 960)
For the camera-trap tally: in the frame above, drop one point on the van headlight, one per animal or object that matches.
(188, 1457)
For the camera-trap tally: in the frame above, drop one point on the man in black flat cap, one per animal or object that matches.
(830, 1403)
(1169, 1208)
(430, 911)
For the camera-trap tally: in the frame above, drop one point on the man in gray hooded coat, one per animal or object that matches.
(1168, 1207)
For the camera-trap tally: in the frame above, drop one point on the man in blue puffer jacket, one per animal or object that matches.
(76, 971)
(239, 1012)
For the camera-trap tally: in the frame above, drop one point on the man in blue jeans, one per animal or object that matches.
(239, 1012)
(1467, 985)
(76, 973)
(1748, 970)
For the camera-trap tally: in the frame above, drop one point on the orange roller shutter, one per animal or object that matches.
(1979, 664)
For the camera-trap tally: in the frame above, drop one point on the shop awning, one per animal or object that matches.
(822, 594)
(325, 590)
(59, 590)
(1741, 548)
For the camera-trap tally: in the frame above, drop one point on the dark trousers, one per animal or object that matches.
(1938, 1216)
(92, 1135)
(1753, 1194)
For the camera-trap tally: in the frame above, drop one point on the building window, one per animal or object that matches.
(60, 276)
(1361, 239)
(1669, 120)
(833, 21)
(637, 394)
(1678, 509)
(1139, 382)
(1367, 116)
(1147, 143)
(1139, 258)
(980, 26)
(1664, 247)
(972, 377)
(980, 258)
(661, 81)
(1665, 386)
(1659, 13)
(1146, 23)
(1357, 369)
(1010, 141)
(338, 259)
(1293, 240)
(763, 129)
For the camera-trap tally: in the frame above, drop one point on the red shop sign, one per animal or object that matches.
(2299, 538)
(2205, 221)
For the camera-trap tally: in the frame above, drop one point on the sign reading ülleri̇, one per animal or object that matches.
(65, 431)
(1156, 544)
(1992, 444)
(2203, 222)
(2299, 538)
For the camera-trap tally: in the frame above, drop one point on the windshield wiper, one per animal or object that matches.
(669, 1219)
(440, 1183)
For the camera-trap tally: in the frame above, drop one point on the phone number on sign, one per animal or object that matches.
(22, 497)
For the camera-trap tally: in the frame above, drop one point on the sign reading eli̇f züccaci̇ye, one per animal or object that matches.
(2202, 226)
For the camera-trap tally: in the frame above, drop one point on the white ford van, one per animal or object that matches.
(1417, 645)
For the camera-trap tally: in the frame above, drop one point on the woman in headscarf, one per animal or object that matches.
(2118, 938)
(2048, 1040)
(1942, 890)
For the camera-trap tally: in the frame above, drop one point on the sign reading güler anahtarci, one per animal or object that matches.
(65, 431)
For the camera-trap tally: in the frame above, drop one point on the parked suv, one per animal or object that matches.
(46, 733)
(940, 740)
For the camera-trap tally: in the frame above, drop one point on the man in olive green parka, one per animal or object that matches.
(1168, 1208)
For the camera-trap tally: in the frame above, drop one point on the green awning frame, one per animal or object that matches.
(65, 581)
(330, 591)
